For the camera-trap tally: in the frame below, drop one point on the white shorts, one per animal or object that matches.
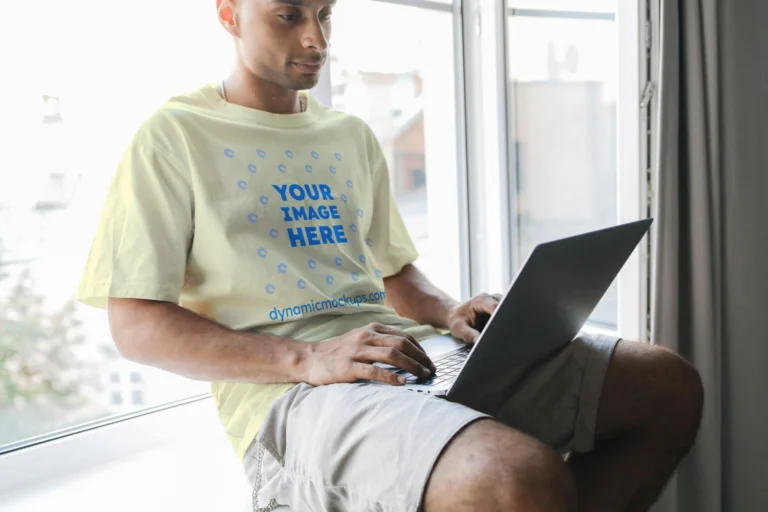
(361, 447)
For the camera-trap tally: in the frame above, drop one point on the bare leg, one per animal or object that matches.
(491, 467)
(648, 418)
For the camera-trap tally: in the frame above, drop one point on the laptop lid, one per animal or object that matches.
(546, 306)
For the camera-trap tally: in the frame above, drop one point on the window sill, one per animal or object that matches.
(175, 459)
(599, 329)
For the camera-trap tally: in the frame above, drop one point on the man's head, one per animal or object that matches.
(284, 42)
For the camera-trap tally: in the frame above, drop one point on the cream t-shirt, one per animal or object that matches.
(265, 222)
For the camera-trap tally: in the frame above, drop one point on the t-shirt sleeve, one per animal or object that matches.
(143, 238)
(388, 236)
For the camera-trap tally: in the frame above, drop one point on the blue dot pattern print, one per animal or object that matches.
(272, 204)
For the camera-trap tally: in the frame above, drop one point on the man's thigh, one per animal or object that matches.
(350, 447)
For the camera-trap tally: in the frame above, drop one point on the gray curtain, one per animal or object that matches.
(711, 260)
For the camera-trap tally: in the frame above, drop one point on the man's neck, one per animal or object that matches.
(248, 90)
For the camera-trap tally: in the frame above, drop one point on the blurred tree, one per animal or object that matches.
(42, 381)
(38, 361)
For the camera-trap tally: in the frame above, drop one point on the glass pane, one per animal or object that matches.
(563, 90)
(403, 87)
(77, 96)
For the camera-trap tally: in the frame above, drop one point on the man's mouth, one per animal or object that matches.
(309, 67)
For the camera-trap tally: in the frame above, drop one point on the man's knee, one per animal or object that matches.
(652, 390)
(685, 400)
(492, 467)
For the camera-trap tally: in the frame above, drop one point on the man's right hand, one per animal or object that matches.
(350, 357)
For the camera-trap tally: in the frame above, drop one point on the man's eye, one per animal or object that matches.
(326, 16)
(288, 17)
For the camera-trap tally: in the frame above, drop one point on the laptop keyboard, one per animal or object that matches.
(447, 369)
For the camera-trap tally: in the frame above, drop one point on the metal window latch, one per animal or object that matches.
(647, 95)
(648, 35)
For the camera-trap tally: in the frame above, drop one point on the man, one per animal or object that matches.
(270, 220)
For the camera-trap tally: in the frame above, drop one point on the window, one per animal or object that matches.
(77, 96)
(137, 397)
(403, 86)
(563, 88)
(544, 148)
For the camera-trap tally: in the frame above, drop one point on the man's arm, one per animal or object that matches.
(412, 295)
(169, 337)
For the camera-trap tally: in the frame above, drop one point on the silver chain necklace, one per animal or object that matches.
(302, 106)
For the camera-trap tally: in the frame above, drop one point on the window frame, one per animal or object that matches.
(493, 194)
(632, 164)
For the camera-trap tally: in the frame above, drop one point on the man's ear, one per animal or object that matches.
(226, 12)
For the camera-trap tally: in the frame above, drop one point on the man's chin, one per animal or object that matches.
(298, 81)
(304, 83)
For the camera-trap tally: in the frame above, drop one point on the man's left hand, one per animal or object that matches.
(463, 318)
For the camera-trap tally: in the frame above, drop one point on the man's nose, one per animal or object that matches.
(315, 37)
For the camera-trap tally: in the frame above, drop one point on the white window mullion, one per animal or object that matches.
(630, 26)
(488, 150)
(651, 118)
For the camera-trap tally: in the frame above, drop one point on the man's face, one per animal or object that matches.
(282, 41)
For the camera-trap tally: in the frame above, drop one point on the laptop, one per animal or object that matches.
(544, 309)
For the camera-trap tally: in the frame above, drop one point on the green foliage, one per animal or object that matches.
(37, 346)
